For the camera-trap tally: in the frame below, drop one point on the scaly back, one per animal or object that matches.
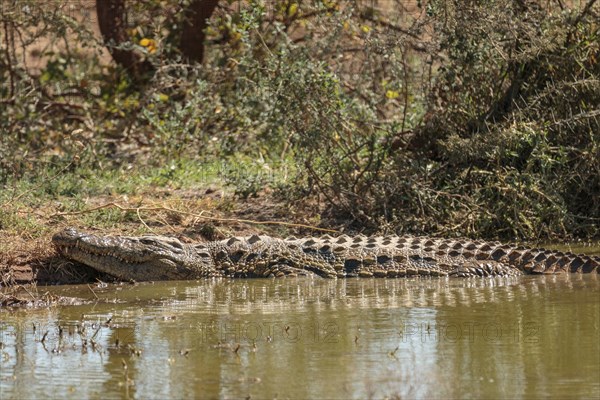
(389, 256)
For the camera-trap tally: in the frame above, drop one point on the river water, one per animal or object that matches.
(531, 336)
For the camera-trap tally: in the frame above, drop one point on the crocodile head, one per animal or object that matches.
(142, 258)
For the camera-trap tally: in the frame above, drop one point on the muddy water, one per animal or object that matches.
(532, 336)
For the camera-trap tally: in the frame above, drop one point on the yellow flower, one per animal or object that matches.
(149, 44)
(392, 94)
(366, 28)
(293, 10)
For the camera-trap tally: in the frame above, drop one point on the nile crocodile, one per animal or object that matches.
(147, 258)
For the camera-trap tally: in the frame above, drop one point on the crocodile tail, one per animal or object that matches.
(542, 261)
(528, 260)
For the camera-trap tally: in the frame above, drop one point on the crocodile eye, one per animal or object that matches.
(148, 241)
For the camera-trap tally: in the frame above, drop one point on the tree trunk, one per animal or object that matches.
(195, 22)
(111, 19)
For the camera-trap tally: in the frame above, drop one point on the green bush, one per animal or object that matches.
(508, 146)
(471, 118)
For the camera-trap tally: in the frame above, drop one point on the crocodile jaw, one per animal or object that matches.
(145, 258)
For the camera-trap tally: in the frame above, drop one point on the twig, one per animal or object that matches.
(137, 211)
(94, 293)
(388, 25)
(28, 292)
(583, 13)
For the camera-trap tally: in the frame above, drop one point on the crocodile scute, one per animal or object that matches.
(149, 258)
